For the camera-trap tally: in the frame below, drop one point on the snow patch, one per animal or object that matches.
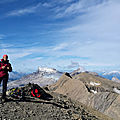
(48, 70)
(116, 90)
(94, 83)
(93, 91)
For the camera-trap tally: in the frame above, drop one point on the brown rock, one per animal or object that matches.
(74, 89)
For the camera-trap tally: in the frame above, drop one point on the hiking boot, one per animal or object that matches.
(0, 101)
(3, 100)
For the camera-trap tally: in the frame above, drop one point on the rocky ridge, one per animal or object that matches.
(91, 90)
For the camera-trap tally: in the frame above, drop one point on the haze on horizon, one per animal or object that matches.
(62, 34)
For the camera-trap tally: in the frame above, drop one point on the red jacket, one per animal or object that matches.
(4, 72)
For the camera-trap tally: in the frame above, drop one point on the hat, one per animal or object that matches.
(5, 55)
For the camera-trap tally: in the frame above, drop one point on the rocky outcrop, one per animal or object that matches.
(105, 84)
(102, 100)
(74, 89)
(92, 90)
(114, 109)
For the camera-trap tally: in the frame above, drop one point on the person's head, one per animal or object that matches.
(5, 57)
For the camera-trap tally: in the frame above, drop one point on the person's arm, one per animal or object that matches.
(9, 68)
(1, 67)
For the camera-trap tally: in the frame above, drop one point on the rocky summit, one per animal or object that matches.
(52, 106)
(92, 90)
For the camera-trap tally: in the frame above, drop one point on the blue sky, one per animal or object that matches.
(60, 34)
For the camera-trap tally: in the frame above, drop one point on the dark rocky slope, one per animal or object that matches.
(58, 107)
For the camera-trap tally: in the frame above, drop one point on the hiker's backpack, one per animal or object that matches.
(36, 92)
(15, 92)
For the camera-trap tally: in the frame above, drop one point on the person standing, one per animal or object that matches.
(5, 67)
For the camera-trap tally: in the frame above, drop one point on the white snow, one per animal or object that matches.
(48, 70)
(93, 91)
(112, 72)
(116, 90)
(94, 83)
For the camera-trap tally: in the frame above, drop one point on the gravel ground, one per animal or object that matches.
(58, 108)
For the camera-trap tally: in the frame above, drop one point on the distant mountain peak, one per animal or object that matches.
(79, 70)
(47, 70)
(112, 72)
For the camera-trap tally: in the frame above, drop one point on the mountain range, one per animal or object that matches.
(51, 75)
(42, 77)
(92, 91)
(16, 75)
(110, 75)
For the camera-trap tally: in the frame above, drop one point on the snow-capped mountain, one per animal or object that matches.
(49, 73)
(47, 70)
(110, 75)
(43, 76)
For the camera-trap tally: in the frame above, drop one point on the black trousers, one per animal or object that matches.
(4, 87)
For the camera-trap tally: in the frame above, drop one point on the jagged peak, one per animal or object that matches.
(67, 74)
